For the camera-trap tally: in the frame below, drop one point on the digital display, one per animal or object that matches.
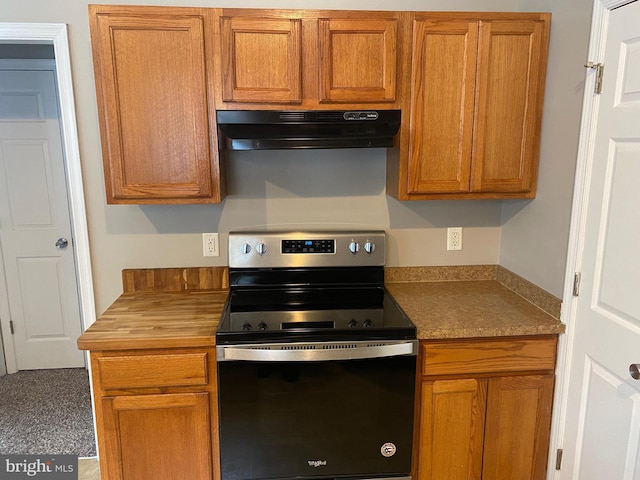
(308, 246)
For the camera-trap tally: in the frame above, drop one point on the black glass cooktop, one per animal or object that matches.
(312, 314)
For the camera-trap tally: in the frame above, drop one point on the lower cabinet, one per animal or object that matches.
(154, 413)
(485, 411)
(491, 418)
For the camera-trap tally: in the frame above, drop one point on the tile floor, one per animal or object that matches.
(88, 469)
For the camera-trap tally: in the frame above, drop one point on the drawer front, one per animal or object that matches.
(462, 357)
(161, 370)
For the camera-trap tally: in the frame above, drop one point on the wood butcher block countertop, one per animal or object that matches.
(157, 320)
(462, 302)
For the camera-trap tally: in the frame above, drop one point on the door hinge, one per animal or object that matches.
(11, 327)
(599, 73)
(559, 459)
(576, 284)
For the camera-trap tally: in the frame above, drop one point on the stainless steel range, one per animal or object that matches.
(316, 362)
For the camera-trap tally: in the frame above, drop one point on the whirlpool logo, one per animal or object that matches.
(317, 463)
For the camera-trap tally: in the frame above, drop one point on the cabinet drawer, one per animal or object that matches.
(457, 357)
(140, 371)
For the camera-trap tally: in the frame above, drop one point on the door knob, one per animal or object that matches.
(634, 371)
(62, 243)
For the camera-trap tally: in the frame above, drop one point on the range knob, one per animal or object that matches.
(369, 247)
(261, 248)
(246, 327)
(262, 326)
(352, 324)
(354, 247)
(246, 248)
(367, 323)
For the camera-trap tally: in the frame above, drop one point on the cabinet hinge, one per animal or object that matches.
(11, 327)
(576, 284)
(599, 73)
(559, 459)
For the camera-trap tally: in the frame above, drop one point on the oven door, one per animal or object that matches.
(322, 411)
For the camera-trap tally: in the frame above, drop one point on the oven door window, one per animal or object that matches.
(316, 419)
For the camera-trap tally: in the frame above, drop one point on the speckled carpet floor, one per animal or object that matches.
(46, 412)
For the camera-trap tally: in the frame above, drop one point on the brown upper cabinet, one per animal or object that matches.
(475, 107)
(261, 59)
(156, 104)
(470, 87)
(307, 59)
(357, 60)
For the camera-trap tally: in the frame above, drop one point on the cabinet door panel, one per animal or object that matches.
(451, 427)
(357, 60)
(152, 97)
(510, 87)
(442, 98)
(261, 60)
(518, 425)
(159, 437)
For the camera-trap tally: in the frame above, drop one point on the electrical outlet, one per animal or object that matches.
(454, 238)
(210, 245)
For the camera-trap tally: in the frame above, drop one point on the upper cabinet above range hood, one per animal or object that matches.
(296, 129)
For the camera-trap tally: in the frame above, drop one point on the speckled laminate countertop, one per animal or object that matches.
(470, 309)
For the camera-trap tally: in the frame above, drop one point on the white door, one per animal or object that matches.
(602, 427)
(39, 267)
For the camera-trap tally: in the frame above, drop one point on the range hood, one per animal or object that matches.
(297, 129)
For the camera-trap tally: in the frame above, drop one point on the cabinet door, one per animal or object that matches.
(451, 426)
(442, 100)
(357, 60)
(261, 60)
(154, 106)
(157, 437)
(510, 88)
(517, 427)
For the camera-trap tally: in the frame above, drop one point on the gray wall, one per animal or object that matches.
(341, 188)
(535, 233)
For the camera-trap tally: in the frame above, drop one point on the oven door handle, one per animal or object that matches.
(311, 353)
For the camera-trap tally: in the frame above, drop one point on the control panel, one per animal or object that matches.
(306, 249)
(308, 246)
(369, 115)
